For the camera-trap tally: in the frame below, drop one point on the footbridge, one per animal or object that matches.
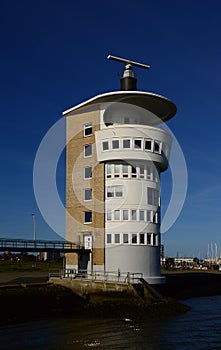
(25, 245)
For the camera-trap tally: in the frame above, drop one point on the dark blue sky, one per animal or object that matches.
(53, 56)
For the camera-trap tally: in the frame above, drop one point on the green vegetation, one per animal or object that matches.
(29, 266)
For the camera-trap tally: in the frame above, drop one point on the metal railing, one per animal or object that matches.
(25, 245)
(99, 276)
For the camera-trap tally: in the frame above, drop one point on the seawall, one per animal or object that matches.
(22, 302)
(99, 292)
(25, 297)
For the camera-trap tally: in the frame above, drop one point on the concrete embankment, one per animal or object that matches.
(117, 298)
(178, 286)
(23, 297)
(97, 292)
(26, 301)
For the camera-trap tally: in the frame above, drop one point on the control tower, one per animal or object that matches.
(116, 151)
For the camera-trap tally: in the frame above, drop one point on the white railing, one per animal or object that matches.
(99, 276)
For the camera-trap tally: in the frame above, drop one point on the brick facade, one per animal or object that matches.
(75, 185)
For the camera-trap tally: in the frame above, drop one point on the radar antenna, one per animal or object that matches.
(128, 80)
(128, 62)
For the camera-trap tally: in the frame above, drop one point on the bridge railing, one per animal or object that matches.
(99, 276)
(37, 245)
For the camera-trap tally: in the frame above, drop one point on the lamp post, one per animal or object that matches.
(34, 224)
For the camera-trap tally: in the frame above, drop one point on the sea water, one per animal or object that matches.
(199, 328)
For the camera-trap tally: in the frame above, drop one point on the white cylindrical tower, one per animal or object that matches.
(135, 149)
(113, 170)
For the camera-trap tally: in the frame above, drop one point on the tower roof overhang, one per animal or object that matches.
(159, 105)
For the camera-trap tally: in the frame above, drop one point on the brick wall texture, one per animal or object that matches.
(76, 229)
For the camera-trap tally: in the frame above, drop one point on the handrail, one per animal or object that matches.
(99, 276)
(38, 245)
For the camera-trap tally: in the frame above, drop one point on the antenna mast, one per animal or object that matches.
(125, 60)
(128, 81)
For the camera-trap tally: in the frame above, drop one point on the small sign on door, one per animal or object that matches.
(88, 242)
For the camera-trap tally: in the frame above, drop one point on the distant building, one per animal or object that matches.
(181, 262)
(114, 157)
(49, 256)
(184, 261)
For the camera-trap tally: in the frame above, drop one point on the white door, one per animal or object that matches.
(88, 242)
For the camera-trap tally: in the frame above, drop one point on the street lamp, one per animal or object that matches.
(34, 224)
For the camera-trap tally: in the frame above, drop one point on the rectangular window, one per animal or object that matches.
(148, 145)
(110, 191)
(109, 215)
(141, 215)
(118, 191)
(133, 171)
(141, 171)
(149, 238)
(125, 170)
(88, 172)
(126, 143)
(134, 238)
(109, 238)
(152, 196)
(125, 215)
(114, 191)
(87, 129)
(105, 145)
(116, 170)
(149, 216)
(115, 144)
(88, 150)
(134, 215)
(87, 194)
(117, 238)
(137, 144)
(141, 238)
(87, 216)
(155, 197)
(108, 171)
(125, 238)
(157, 147)
(116, 214)
(149, 173)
